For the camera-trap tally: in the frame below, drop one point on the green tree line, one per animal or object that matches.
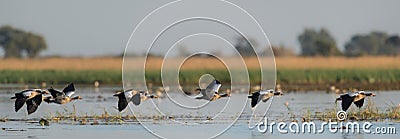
(321, 43)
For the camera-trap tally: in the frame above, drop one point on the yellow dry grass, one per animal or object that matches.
(112, 63)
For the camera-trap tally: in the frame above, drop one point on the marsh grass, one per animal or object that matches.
(369, 112)
(290, 79)
(393, 112)
(70, 116)
(314, 73)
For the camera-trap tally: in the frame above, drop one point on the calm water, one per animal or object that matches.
(96, 101)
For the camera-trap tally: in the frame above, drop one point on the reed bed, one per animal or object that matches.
(290, 80)
(367, 113)
(293, 73)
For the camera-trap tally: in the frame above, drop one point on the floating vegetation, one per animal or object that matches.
(369, 113)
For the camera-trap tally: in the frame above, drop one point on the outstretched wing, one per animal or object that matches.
(254, 99)
(346, 101)
(136, 99)
(211, 89)
(122, 102)
(33, 104)
(69, 90)
(359, 103)
(19, 102)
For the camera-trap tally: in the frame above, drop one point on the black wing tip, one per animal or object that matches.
(30, 112)
(253, 105)
(120, 109)
(70, 87)
(217, 82)
(254, 101)
(121, 106)
(33, 104)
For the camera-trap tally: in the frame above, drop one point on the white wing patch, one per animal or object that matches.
(27, 93)
(216, 87)
(69, 94)
(353, 94)
(263, 92)
(128, 95)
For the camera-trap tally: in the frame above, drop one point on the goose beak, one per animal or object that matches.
(152, 96)
(373, 94)
(278, 94)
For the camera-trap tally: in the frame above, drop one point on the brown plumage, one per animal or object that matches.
(64, 96)
(136, 97)
(210, 93)
(357, 98)
(32, 97)
(263, 96)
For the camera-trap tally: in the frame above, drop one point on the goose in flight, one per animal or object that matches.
(210, 93)
(263, 96)
(134, 96)
(32, 98)
(356, 97)
(64, 96)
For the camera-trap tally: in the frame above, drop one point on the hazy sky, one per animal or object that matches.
(98, 27)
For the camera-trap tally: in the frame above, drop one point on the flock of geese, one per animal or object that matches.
(34, 97)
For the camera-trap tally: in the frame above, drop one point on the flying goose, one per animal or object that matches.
(64, 96)
(356, 97)
(32, 98)
(210, 93)
(263, 96)
(124, 97)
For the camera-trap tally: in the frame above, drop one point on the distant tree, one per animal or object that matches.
(282, 51)
(245, 47)
(314, 43)
(16, 42)
(374, 43)
(392, 45)
(33, 44)
(183, 51)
